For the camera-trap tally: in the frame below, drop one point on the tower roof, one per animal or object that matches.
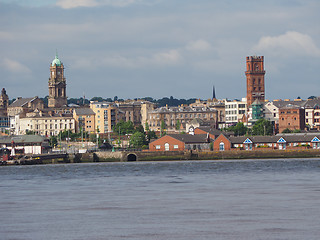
(56, 61)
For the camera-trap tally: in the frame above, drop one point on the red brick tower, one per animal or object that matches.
(255, 79)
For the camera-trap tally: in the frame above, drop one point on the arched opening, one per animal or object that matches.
(221, 146)
(132, 157)
(166, 147)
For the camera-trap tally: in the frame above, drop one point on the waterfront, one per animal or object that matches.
(245, 199)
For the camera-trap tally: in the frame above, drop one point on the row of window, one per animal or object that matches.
(56, 120)
(166, 147)
(61, 126)
(187, 115)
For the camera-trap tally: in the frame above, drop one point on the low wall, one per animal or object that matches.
(109, 156)
(194, 155)
(301, 153)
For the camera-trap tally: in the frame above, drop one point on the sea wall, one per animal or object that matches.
(206, 155)
(299, 153)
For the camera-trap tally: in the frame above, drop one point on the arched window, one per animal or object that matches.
(166, 146)
(221, 146)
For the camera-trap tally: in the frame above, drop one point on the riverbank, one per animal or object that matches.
(164, 156)
(200, 155)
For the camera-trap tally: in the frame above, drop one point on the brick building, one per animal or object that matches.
(255, 79)
(180, 142)
(291, 117)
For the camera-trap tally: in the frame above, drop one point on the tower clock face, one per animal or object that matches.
(52, 73)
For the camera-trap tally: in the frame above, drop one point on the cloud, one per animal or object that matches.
(165, 58)
(168, 58)
(14, 66)
(6, 36)
(288, 44)
(67, 4)
(199, 45)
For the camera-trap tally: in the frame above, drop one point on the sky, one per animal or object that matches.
(160, 48)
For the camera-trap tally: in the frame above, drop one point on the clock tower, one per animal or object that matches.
(57, 85)
(255, 79)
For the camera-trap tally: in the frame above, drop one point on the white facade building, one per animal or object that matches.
(43, 125)
(234, 111)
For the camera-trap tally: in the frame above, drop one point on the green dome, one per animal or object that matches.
(56, 62)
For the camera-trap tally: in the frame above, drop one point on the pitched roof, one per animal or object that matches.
(20, 102)
(188, 138)
(312, 103)
(282, 104)
(289, 138)
(22, 139)
(84, 111)
(214, 131)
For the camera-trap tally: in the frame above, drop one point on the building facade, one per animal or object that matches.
(171, 116)
(21, 106)
(44, 123)
(255, 79)
(84, 120)
(234, 111)
(107, 115)
(291, 117)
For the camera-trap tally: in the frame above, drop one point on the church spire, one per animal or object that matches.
(213, 92)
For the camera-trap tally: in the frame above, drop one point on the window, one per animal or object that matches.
(175, 146)
(221, 146)
(166, 146)
(158, 147)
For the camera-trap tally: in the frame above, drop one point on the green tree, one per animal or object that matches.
(123, 127)
(29, 132)
(262, 127)
(287, 130)
(239, 130)
(163, 128)
(53, 141)
(178, 125)
(147, 127)
(137, 140)
(151, 135)
(139, 128)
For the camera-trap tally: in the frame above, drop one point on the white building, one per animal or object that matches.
(271, 112)
(45, 124)
(235, 110)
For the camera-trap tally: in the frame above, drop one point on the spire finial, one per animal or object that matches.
(56, 53)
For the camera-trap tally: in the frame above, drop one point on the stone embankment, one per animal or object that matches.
(205, 155)
(166, 156)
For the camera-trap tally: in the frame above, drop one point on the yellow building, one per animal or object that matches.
(84, 119)
(107, 115)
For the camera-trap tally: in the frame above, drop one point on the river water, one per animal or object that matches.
(191, 200)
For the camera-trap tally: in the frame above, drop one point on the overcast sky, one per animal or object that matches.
(158, 48)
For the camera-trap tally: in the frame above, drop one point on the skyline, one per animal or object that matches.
(139, 48)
